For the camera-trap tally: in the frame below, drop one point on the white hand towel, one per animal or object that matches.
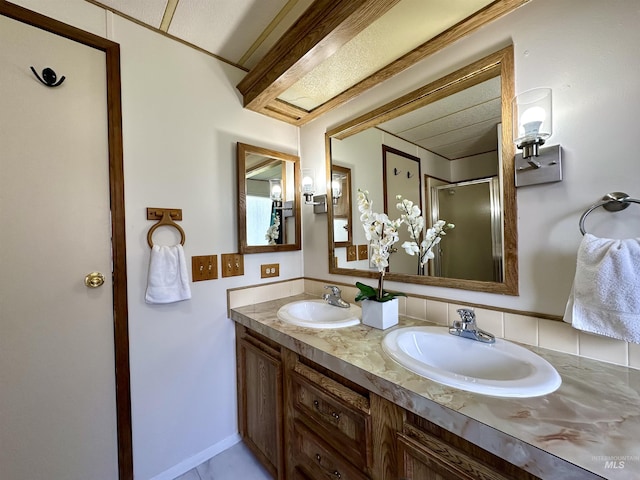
(168, 280)
(605, 298)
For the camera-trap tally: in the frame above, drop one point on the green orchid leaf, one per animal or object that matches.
(366, 292)
(369, 293)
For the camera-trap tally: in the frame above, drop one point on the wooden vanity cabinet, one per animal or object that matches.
(260, 399)
(428, 452)
(305, 422)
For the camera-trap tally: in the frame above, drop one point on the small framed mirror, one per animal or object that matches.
(268, 200)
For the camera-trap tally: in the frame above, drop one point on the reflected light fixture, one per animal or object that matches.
(275, 189)
(275, 194)
(336, 187)
(532, 126)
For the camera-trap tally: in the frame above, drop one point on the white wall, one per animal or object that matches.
(181, 118)
(586, 50)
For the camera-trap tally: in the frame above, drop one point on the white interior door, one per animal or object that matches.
(57, 380)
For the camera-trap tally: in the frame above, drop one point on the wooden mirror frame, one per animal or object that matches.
(499, 63)
(243, 247)
(344, 202)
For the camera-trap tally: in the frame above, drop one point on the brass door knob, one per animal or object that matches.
(94, 280)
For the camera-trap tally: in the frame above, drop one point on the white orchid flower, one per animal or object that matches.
(411, 248)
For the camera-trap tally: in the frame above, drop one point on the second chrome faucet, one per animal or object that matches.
(334, 298)
(466, 327)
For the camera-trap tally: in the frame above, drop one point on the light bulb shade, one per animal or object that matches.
(275, 189)
(532, 117)
(308, 183)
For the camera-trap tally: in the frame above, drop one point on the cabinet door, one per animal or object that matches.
(433, 460)
(318, 459)
(260, 403)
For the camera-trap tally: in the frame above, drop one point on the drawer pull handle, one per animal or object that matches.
(335, 415)
(318, 457)
(337, 474)
(316, 404)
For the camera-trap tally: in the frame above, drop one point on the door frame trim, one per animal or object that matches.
(116, 189)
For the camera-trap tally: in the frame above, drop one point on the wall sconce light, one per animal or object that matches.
(308, 186)
(532, 126)
(336, 187)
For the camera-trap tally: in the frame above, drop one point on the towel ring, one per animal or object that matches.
(612, 202)
(165, 220)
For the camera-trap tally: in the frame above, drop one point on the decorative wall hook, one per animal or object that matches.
(409, 175)
(49, 77)
(396, 171)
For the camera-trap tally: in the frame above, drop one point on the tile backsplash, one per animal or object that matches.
(526, 329)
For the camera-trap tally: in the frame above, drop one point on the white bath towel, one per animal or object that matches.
(605, 298)
(168, 280)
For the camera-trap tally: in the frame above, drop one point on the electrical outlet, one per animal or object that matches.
(270, 270)
(232, 264)
(204, 267)
(351, 253)
(363, 252)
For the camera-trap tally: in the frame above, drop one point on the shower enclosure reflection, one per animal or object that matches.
(473, 250)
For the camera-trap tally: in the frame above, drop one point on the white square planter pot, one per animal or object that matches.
(380, 315)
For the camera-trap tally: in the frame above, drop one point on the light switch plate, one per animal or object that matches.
(232, 264)
(352, 254)
(204, 267)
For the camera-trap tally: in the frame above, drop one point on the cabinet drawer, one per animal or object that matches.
(318, 459)
(339, 423)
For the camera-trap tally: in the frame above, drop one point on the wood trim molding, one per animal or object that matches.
(312, 40)
(323, 28)
(116, 186)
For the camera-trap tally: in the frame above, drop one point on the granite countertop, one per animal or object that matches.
(589, 428)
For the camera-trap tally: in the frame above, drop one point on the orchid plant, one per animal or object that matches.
(382, 234)
(412, 216)
(273, 232)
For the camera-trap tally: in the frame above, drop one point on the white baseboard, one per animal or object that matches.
(192, 462)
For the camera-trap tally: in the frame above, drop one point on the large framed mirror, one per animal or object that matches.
(447, 147)
(268, 200)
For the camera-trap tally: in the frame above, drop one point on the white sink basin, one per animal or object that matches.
(319, 314)
(501, 369)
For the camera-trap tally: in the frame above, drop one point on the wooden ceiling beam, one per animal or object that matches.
(318, 33)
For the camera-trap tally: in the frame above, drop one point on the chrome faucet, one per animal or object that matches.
(466, 327)
(334, 297)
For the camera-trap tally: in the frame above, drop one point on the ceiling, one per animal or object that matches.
(305, 57)
(238, 32)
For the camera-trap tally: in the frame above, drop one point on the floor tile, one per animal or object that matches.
(234, 463)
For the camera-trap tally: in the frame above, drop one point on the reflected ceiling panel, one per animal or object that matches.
(460, 125)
